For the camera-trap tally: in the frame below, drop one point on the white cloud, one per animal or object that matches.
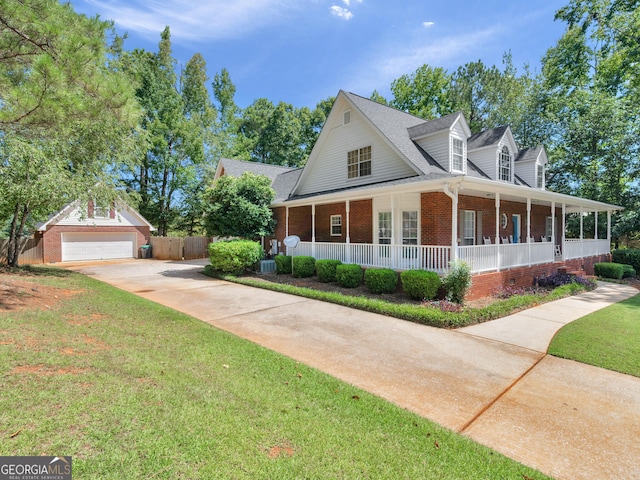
(194, 19)
(428, 24)
(406, 56)
(341, 12)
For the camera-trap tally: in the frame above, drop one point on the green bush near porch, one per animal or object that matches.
(609, 270)
(629, 256)
(420, 284)
(326, 270)
(381, 280)
(283, 264)
(349, 275)
(234, 256)
(303, 266)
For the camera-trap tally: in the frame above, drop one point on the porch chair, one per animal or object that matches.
(543, 238)
(487, 240)
(532, 239)
(558, 252)
(505, 240)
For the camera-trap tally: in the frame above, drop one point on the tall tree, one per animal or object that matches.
(177, 120)
(424, 93)
(591, 79)
(227, 134)
(65, 115)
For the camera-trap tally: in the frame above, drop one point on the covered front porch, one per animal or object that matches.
(425, 226)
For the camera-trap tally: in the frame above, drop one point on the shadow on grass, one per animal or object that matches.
(36, 270)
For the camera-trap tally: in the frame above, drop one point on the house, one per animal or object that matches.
(86, 231)
(384, 188)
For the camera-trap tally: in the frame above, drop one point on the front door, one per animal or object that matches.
(515, 219)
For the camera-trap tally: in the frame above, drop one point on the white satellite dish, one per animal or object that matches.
(291, 241)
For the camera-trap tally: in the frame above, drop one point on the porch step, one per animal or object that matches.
(574, 273)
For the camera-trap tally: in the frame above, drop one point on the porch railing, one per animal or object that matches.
(481, 258)
(401, 257)
(576, 248)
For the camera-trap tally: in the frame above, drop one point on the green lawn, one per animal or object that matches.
(608, 338)
(134, 390)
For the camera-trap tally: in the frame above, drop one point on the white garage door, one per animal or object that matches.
(97, 246)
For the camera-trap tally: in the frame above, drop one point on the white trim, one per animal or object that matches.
(331, 225)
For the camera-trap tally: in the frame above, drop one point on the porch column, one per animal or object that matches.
(595, 235)
(453, 195)
(394, 231)
(313, 230)
(581, 233)
(529, 229)
(609, 230)
(286, 226)
(497, 257)
(564, 229)
(553, 228)
(348, 237)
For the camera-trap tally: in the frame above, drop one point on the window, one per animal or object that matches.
(384, 228)
(540, 176)
(336, 225)
(548, 228)
(100, 211)
(410, 228)
(504, 166)
(457, 155)
(468, 227)
(359, 163)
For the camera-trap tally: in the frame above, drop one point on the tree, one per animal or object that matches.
(66, 115)
(591, 79)
(177, 121)
(424, 93)
(227, 133)
(239, 207)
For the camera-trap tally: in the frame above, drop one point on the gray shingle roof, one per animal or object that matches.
(486, 138)
(236, 168)
(432, 126)
(528, 154)
(393, 124)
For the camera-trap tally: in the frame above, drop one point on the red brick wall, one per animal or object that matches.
(435, 213)
(323, 222)
(300, 222)
(486, 284)
(52, 238)
(361, 221)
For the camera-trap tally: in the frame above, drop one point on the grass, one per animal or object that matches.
(410, 311)
(133, 390)
(608, 338)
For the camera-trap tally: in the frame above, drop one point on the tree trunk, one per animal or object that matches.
(20, 214)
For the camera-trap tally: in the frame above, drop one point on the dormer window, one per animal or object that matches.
(504, 165)
(359, 162)
(457, 155)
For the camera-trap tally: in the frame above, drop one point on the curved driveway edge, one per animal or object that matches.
(494, 384)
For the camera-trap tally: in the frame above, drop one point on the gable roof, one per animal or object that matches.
(436, 125)
(486, 138)
(70, 207)
(530, 154)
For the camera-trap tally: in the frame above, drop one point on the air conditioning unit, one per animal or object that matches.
(267, 266)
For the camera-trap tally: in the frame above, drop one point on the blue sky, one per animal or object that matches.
(303, 51)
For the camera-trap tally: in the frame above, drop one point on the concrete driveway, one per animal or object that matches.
(491, 382)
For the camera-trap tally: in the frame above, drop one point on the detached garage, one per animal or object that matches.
(78, 233)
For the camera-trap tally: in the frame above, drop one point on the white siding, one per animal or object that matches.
(485, 160)
(328, 170)
(437, 145)
(527, 172)
(78, 216)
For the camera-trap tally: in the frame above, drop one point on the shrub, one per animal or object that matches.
(349, 275)
(609, 270)
(234, 256)
(420, 284)
(326, 270)
(628, 271)
(283, 264)
(303, 266)
(380, 280)
(457, 281)
(629, 256)
(560, 279)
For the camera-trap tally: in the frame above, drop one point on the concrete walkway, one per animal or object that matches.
(492, 382)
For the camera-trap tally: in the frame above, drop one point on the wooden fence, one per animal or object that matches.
(31, 252)
(176, 248)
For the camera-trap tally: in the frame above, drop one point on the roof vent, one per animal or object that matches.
(346, 117)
